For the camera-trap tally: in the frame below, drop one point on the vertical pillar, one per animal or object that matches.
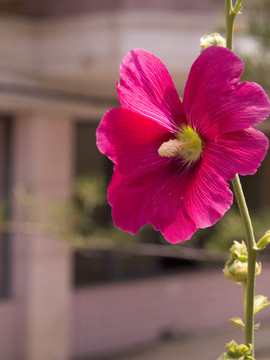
(42, 263)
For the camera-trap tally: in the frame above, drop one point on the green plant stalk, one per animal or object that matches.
(250, 239)
(252, 257)
(231, 13)
(230, 16)
(244, 287)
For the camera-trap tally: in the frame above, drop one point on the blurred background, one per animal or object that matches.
(72, 287)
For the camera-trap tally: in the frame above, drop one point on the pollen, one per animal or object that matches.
(187, 144)
(170, 148)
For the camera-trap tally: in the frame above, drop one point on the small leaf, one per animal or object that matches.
(264, 241)
(238, 322)
(260, 302)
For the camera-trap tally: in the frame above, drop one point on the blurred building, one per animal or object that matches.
(59, 64)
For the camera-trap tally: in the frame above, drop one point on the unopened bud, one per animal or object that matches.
(236, 268)
(210, 40)
(237, 271)
(235, 351)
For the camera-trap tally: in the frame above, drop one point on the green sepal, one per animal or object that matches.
(239, 251)
(260, 302)
(238, 322)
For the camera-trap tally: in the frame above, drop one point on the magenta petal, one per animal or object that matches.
(214, 101)
(102, 137)
(238, 152)
(155, 197)
(180, 229)
(146, 87)
(208, 197)
(131, 140)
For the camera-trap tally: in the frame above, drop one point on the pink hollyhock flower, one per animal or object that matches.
(173, 158)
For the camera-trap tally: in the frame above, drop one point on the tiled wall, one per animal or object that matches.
(112, 317)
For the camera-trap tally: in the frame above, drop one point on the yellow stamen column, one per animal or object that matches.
(188, 145)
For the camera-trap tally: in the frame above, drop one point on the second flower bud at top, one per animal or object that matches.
(210, 40)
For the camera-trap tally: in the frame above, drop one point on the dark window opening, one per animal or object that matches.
(106, 266)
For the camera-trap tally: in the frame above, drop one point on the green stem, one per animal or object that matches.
(229, 23)
(231, 13)
(252, 257)
(251, 244)
(244, 287)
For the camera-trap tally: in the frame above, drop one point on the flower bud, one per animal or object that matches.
(236, 267)
(213, 39)
(236, 272)
(237, 352)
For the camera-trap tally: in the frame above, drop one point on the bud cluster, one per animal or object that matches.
(237, 266)
(237, 352)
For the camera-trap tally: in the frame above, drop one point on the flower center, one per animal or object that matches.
(187, 144)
